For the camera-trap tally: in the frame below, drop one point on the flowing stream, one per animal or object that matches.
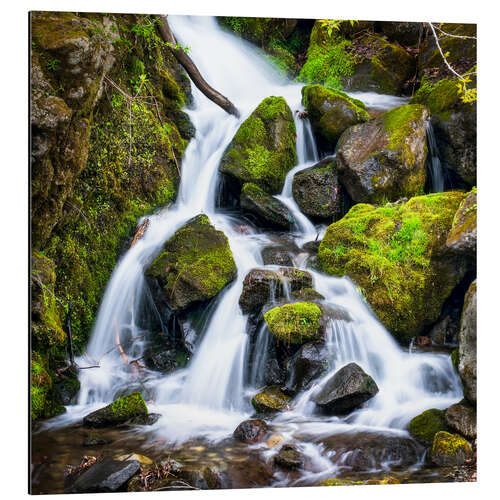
(211, 396)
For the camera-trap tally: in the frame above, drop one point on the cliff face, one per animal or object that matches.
(107, 136)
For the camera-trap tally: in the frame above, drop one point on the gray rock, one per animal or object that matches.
(251, 431)
(307, 364)
(461, 417)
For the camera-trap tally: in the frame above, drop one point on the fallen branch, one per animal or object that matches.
(141, 231)
(187, 63)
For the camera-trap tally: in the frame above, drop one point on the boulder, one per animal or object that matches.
(396, 255)
(307, 295)
(295, 323)
(195, 264)
(106, 476)
(317, 191)
(450, 449)
(278, 256)
(425, 426)
(463, 235)
(346, 390)
(118, 412)
(406, 34)
(289, 457)
(273, 374)
(268, 211)
(461, 418)
(385, 158)
(330, 112)
(163, 358)
(251, 431)
(270, 400)
(263, 149)
(306, 365)
(467, 339)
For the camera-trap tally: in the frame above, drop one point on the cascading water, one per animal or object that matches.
(435, 168)
(209, 398)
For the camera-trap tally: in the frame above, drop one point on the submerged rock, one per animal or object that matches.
(263, 149)
(317, 192)
(396, 255)
(306, 365)
(195, 265)
(149, 419)
(295, 323)
(118, 412)
(269, 211)
(331, 112)
(450, 449)
(425, 426)
(278, 256)
(270, 400)
(461, 418)
(289, 457)
(463, 235)
(251, 431)
(385, 158)
(347, 389)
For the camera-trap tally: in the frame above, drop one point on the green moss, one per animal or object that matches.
(393, 255)
(455, 359)
(128, 406)
(424, 426)
(397, 121)
(270, 400)
(450, 445)
(338, 482)
(294, 323)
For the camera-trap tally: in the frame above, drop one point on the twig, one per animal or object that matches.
(117, 339)
(455, 36)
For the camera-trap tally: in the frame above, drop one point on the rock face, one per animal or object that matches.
(404, 33)
(251, 431)
(450, 449)
(118, 412)
(397, 255)
(306, 365)
(263, 149)
(295, 323)
(463, 235)
(425, 426)
(268, 210)
(331, 112)
(270, 400)
(467, 355)
(317, 191)
(461, 418)
(105, 477)
(349, 388)
(384, 159)
(195, 264)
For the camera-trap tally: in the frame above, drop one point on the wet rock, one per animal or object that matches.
(251, 431)
(263, 149)
(463, 235)
(274, 440)
(335, 481)
(106, 476)
(273, 374)
(195, 265)
(461, 418)
(385, 158)
(269, 212)
(94, 439)
(317, 191)
(425, 426)
(331, 112)
(306, 365)
(467, 355)
(216, 480)
(270, 400)
(289, 457)
(66, 389)
(307, 294)
(444, 330)
(149, 419)
(347, 389)
(118, 412)
(162, 359)
(278, 256)
(450, 449)
(312, 246)
(295, 323)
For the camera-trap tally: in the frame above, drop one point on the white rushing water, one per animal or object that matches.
(208, 398)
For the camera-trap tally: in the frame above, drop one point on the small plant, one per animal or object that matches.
(52, 64)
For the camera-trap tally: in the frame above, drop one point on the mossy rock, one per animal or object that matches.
(463, 235)
(450, 449)
(295, 323)
(118, 412)
(331, 112)
(307, 294)
(263, 149)
(385, 158)
(424, 427)
(195, 264)
(270, 400)
(334, 481)
(396, 256)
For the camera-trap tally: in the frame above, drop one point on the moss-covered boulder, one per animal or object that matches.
(346, 390)
(396, 254)
(289, 457)
(331, 112)
(385, 158)
(118, 412)
(270, 400)
(317, 191)
(425, 426)
(461, 418)
(467, 344)
(455, 126)
(463, 235)
(263, 149)
(195, 264)
(264, 208)
(450, 449)
(295, 323)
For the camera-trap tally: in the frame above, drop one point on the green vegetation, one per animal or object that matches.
(424, 426)
(270, 400)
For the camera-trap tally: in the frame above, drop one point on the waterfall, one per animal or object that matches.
(209, 397)
(435, 169)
